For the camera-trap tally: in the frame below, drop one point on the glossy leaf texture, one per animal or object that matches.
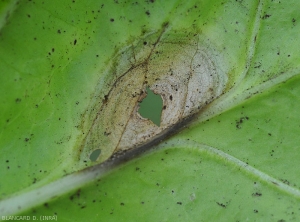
(236, 160)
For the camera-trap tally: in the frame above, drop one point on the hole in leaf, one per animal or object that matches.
(151, 107)
(95, 154)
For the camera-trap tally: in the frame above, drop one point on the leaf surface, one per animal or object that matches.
(236, 160)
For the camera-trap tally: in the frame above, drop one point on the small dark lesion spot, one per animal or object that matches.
(164, 107)
(122, 204)
(107, 133)
(28, 15)
(257, 194)
(105, 100)
(46, 205)
(58, 31)
(112, 20)
(285, 181)
(147, 12)
(18, 100)
(221, 204)
(75, 41)
(26, 139)
(239, 122)
(266, 16)
(179, 203)
(171, 97)
(255, 211)
(145, 43)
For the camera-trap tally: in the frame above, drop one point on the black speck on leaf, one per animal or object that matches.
(147, 12)
(75, 41)
(257, 194)
(179, 203)
(221, 204)
(239, 122)
(58, 31)
(18, 100)
(112, 20)
(266, 16)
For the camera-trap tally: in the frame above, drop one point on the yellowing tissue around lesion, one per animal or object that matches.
(171, 65)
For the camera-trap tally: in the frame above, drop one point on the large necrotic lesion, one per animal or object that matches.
(171, 65)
